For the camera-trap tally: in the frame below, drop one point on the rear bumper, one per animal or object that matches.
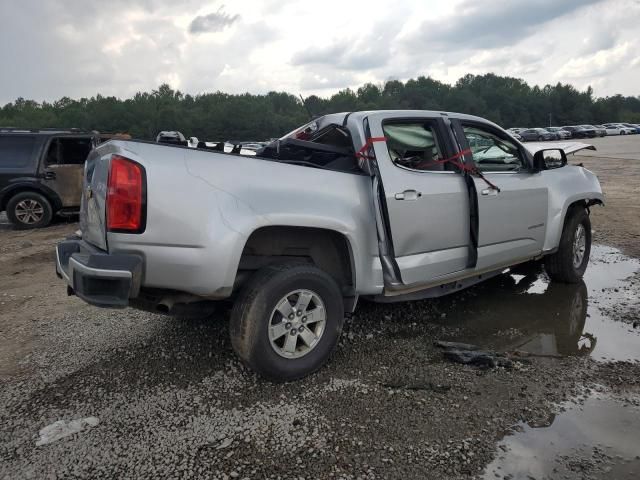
(97, 277)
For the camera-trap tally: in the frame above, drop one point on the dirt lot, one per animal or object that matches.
(173, 401)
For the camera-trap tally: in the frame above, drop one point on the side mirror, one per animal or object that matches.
(549, 158)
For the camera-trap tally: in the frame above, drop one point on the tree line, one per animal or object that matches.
(508, 101)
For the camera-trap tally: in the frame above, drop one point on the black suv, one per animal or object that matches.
(41, 173)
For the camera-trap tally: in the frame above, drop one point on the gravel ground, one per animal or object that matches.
(173, 401)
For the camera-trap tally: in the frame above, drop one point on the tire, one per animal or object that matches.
(27, 210)
(255, 316)
(567, 265)
(540, 138)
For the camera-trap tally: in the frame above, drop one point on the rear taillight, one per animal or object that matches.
(125, 204)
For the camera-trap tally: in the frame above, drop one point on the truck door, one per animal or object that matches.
(63, 166)
(426, 202)
(512, 221)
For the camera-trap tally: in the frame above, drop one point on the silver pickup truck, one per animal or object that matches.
(383, 205)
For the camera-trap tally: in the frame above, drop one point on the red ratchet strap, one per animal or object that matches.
(368, 144)
(454, 160)
(465, 167)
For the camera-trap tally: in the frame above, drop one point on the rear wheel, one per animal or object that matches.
(287, 321)
(569, 263)
(29, 210)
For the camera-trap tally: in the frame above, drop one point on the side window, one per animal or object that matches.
(414, 145)
(68, 151)
(492, 153)
(16, 151)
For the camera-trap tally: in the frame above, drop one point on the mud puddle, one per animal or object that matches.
(525, 311)
(595, 440)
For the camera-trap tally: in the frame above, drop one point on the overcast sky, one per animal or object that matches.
(55, 48)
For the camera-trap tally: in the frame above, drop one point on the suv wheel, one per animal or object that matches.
(29, 210)
(287, 321)
(569, 263)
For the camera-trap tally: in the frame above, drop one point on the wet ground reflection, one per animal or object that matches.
(524, 311)
(597, 440)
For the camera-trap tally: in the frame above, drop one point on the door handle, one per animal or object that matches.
(408, 195)
(49, 175)
(489, 191)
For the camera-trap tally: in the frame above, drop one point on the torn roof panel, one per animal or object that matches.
(568, 147)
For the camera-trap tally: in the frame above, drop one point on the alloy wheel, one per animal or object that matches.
(297, 323)
(579, 245)
(29, 211)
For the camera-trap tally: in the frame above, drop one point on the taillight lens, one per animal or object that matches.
(125, 196)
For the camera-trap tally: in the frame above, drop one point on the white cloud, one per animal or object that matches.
(49, 48)
(603, 62)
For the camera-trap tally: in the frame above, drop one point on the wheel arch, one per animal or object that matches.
(328, 249)
(14, 189)
(557, 225)
(581, 203)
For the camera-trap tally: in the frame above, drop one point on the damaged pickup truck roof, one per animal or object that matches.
(567, 147)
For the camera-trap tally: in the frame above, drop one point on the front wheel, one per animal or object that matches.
(569, 263)
(287, 321)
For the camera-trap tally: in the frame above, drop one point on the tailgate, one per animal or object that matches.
(94, 191)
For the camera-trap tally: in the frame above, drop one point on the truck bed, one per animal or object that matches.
(203, 205)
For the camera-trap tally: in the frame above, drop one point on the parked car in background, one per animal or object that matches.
(172, 137)
(561, 134)
(41, 173)
(537, 134)
(636, 128)
(515, 133)
(580, 132)
(342, 208)
(600, 132)
(610, 130)
(622, 129)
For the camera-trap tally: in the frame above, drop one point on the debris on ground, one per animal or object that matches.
(456, 345)
(468, 354)
(417, 385)
(61, 428)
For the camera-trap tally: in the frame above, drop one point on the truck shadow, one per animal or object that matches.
(511, 313)
(506, 313)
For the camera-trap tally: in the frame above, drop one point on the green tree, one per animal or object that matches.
(214, 116)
